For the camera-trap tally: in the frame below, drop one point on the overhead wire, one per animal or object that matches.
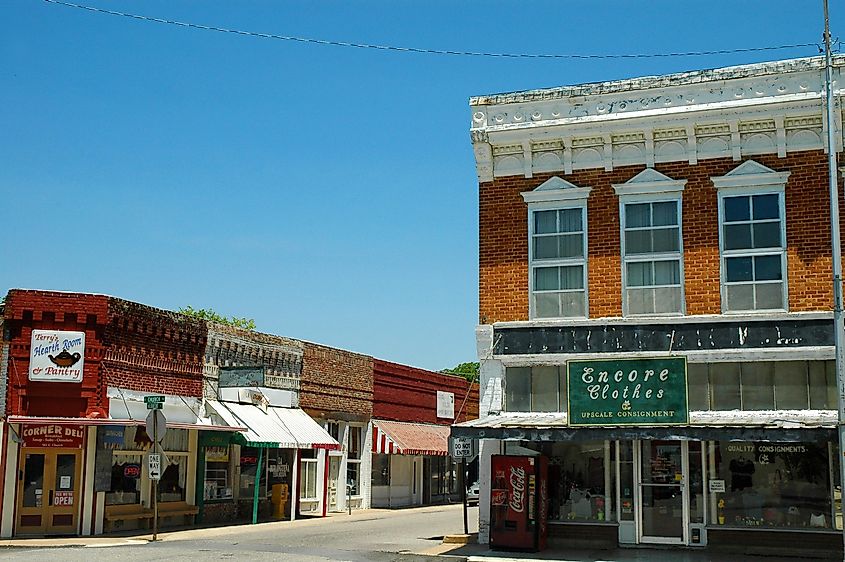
(449, 52)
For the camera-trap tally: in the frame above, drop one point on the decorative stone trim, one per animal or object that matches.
(556, 189)
(649, 181)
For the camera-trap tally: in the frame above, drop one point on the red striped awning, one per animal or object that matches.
(402, 438)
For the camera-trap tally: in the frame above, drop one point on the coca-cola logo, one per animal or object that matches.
(517, 502)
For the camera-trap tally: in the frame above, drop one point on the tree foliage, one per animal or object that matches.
(467, 370)
(212, 316)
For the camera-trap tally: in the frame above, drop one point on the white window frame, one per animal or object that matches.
(356, 461)
(650, 186)
(557, 194)
(304, 463)
(748, 179)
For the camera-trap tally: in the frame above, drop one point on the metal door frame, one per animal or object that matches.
(638, 505)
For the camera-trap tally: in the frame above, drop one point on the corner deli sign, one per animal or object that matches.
(649, 391)
(57, 356)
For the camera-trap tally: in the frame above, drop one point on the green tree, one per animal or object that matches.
(212, 316)
(467, 370)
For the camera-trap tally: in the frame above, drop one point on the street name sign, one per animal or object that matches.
(154, 402)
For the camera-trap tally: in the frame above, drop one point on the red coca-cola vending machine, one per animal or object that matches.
(519, 502)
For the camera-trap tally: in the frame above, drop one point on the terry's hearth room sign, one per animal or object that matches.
(57, 356)
(628, 392)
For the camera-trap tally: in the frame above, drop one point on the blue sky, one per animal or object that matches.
(328, 193)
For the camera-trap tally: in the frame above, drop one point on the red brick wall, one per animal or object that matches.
(153, 350)
(43, 310)
(336, 384)
(503, 236)
(402, 393)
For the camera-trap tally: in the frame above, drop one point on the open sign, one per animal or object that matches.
(132, 471)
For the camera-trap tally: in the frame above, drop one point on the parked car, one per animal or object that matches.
(472, 494)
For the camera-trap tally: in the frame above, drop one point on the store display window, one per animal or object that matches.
(773, 485)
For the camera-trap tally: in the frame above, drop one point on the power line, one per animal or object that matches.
(426, 51)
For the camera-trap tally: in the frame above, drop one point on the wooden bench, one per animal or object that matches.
(128, 512)
(176, 509)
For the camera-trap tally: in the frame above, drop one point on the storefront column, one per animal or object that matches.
(487, 448)
(10, 482)
(88, 495)
(258, 470)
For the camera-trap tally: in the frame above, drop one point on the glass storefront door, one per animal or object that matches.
(48, 491)
(334, 475)
(662, 507)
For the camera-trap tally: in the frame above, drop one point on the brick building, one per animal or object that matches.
(655, 307)
(258, 426)
(412, 411)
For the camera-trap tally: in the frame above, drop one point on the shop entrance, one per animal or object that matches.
(662, 506)
(48, 491)
(334, 475)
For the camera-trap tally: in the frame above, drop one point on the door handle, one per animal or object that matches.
(50, 500)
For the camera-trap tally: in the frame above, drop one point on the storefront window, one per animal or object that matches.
(535, 389)
(125, 479)
(171, 487)
(762, 385)
(773, 485)
(353, 461)
(381, 470)
(579, 481)
(217, 470)
(249, 471)
(308, 474)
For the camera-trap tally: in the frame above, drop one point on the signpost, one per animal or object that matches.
(156, 428)
(463, 448)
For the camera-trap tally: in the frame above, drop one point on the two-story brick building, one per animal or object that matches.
(655, 303)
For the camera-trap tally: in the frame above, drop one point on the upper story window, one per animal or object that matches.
(535, 389)
(557, 226)
(752, 238)
(652, 247)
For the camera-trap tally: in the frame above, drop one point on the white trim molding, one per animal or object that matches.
(649, 182)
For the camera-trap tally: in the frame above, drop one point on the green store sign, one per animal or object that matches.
(628, 392)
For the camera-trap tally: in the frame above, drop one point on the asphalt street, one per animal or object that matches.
(373, 535)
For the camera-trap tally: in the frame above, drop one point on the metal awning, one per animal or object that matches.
(274, 427)
(402, 438)
(782, 426)
(127, 407)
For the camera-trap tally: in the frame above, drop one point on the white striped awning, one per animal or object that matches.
(403, 438)
(274, 427)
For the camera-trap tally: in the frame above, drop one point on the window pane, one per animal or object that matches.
(738, 269)
(667, 273)
(545, 247)
(638, 242)
(637, 215)
(767, 235)
(570, 220)
(766, 207)
(571, 246)
(767, 268)
(572, 304)
(699, 392)
(518, 389)
(769, 295)
(665, 240)
(667, 299)
(791, 385)
(665, 213)
(640, 274)
(724, 386)
(757, 386)
(640, 301)
(547, 305)
(545, 222)
(737, 236)
(822, 385)
(572, 277)
(544, 381)
(546, 279)
(737, 209)
(740, 297)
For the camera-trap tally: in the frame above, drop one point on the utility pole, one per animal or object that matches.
(836, 249)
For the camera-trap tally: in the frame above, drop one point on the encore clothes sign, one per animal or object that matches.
(628, 392)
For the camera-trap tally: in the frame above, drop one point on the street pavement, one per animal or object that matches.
(375, 535)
